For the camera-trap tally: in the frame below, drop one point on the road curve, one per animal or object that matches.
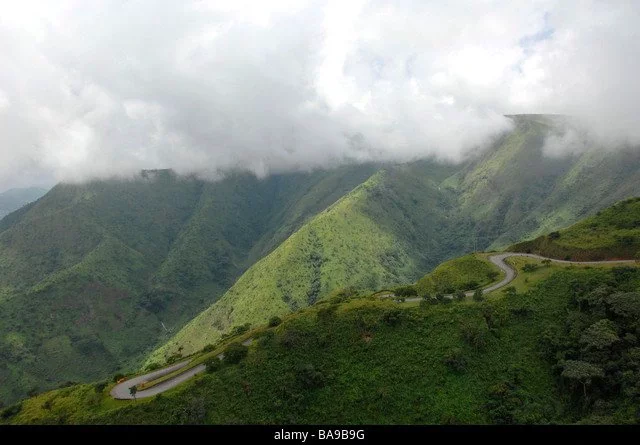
(121, 390)
(510, 272)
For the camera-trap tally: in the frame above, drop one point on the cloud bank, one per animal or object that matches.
(93, 89)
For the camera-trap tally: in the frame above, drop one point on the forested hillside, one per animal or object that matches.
(96, 276)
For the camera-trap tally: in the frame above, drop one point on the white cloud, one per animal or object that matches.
(98, 88)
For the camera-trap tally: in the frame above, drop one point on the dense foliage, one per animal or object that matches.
(612, 233)
(523, 358)
(94, 276)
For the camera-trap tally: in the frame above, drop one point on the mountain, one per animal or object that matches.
(613, 233)
(562, 350)
(96, 278)
(93, 276)
(408, 218)
(13, 199)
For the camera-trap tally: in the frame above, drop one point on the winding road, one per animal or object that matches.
(121, 390)
(510, 273)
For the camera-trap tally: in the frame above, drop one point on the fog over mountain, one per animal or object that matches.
(93, 89)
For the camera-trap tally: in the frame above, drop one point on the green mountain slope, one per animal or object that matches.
(429, 212)
(513, 359)
(514, 191)
(345, 245)
(463, 273)
(93, 276)
(13, 199)
(114, 269)
(613, 233)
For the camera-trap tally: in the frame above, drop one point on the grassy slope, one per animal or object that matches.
(385, 232)
(516, 192)
(99, 266)
(366, 362)
(340, 246)
(194, 244)
(437, 213)
(461, 273)
(611, 234)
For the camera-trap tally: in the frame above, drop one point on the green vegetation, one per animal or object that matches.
(613, 233)
(526, 358)
(95, 277)
(465, 273)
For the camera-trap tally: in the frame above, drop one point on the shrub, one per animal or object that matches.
(99, 387)
(472, 284)
(455, 360)
(238, 330)
(152, 366)
(475, 335)
(406, 291)
(266, 338)
(554, 235)
(291, 338)
(460, 295)
(174, 358)
(529, 267)
(509, 291)
(392, 317)
(274, 321)
(208, 348)
(492, 275)
(235, 352)
(477, 295)
(213, 364)
(47, 405)
(326, 314)
(309, 377)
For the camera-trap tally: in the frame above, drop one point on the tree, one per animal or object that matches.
(460, 295)
(477, 295)
(406, 291)
(235, 352)
(600, 335)
(208, 348)
(133, 391)
(625, 304)
(582, 372)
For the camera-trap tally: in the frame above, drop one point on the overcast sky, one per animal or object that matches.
(93, 88)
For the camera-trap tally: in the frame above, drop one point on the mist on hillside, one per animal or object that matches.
(99, 89)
